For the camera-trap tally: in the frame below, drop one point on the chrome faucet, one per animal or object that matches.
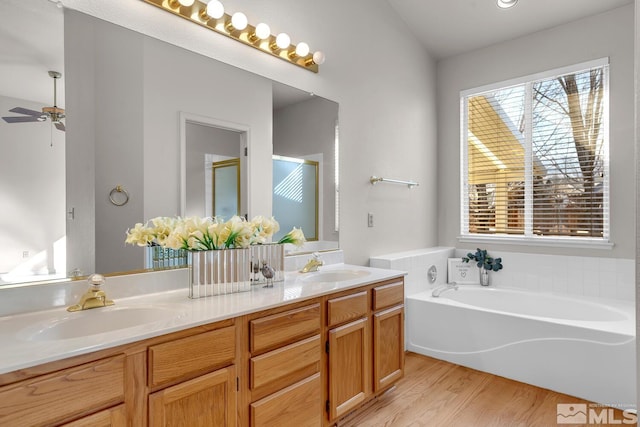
(313, 264)
(443, 288)
(94, 297)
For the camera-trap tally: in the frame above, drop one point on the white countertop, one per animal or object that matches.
(24, 345)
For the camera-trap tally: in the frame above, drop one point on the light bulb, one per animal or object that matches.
(215, 9)
(505, 4)
(239, 21)
(283, 40)
(302, 49)
(263, 31)
(319, 57)
(186, 3)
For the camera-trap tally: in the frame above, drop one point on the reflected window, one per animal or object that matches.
(295, 195)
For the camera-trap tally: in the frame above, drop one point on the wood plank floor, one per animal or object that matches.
(440, 394)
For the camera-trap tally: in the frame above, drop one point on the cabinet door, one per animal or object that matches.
(388, 347)
(113, 417)
(349, 367)
(206, 401)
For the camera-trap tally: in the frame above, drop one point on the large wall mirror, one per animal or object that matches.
(125, 95)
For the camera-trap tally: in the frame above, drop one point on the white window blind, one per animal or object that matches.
(535, 156)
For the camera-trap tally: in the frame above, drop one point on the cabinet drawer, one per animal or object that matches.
(114, 417)
(282, 328)
(190, 356)
(52, 398)
(299, 405)
(349, 307)
(388, 295)
(288, 364)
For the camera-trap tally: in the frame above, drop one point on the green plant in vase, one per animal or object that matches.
(485, 263)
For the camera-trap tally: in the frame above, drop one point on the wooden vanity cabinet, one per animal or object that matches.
(348, 347)
(308, 363)
(66, 394)
(284, 361)
(208, 401)
(365, 345)
(112, 417)
(388, 335)
(202, 379)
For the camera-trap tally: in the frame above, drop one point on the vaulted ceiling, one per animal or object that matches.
(451, 27)
(445, 28)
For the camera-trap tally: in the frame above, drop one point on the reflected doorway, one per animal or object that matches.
(213, 167)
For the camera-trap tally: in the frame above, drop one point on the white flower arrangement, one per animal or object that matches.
(202, 234)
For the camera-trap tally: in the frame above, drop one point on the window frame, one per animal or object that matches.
(531, 239)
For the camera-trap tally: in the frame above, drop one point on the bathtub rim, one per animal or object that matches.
(625, 327)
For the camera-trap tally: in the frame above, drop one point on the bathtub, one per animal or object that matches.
(571, 345)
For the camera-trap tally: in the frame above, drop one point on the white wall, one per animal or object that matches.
(384, 83)
(609, 34)
(32, 187)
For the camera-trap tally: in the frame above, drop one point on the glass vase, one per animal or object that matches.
(484, 277)
(265, 256)
(159, 257)
(219, 272)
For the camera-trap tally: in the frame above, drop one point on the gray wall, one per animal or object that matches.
(306, 128)
(610, 34)
(126, 91)
(195, 84)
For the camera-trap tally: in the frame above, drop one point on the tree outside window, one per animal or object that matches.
(535, 157)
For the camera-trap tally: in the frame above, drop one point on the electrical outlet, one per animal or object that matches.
(370, 219)
(25, 254)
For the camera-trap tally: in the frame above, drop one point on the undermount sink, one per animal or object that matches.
(335, 276)
(96, 321)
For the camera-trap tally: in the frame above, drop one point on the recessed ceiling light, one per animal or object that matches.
(505, 4)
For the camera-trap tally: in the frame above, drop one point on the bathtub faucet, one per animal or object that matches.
(440, 289)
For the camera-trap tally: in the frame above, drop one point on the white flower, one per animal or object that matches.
(295, 237)
(198, 234)
(263, 229)
(140, 235)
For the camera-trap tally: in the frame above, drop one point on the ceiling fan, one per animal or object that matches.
(54, 113)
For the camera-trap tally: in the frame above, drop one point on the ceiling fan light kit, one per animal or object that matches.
(54, 113)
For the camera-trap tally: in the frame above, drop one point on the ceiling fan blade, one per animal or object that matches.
(26, 111)
(21, 119)
(60, 126)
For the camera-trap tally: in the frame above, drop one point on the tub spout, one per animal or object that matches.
(440, 289)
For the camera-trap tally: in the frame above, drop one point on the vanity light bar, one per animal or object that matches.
(236, 27)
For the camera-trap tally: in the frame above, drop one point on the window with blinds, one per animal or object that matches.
(535, 156)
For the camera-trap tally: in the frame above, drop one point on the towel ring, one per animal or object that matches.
(119, 189)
